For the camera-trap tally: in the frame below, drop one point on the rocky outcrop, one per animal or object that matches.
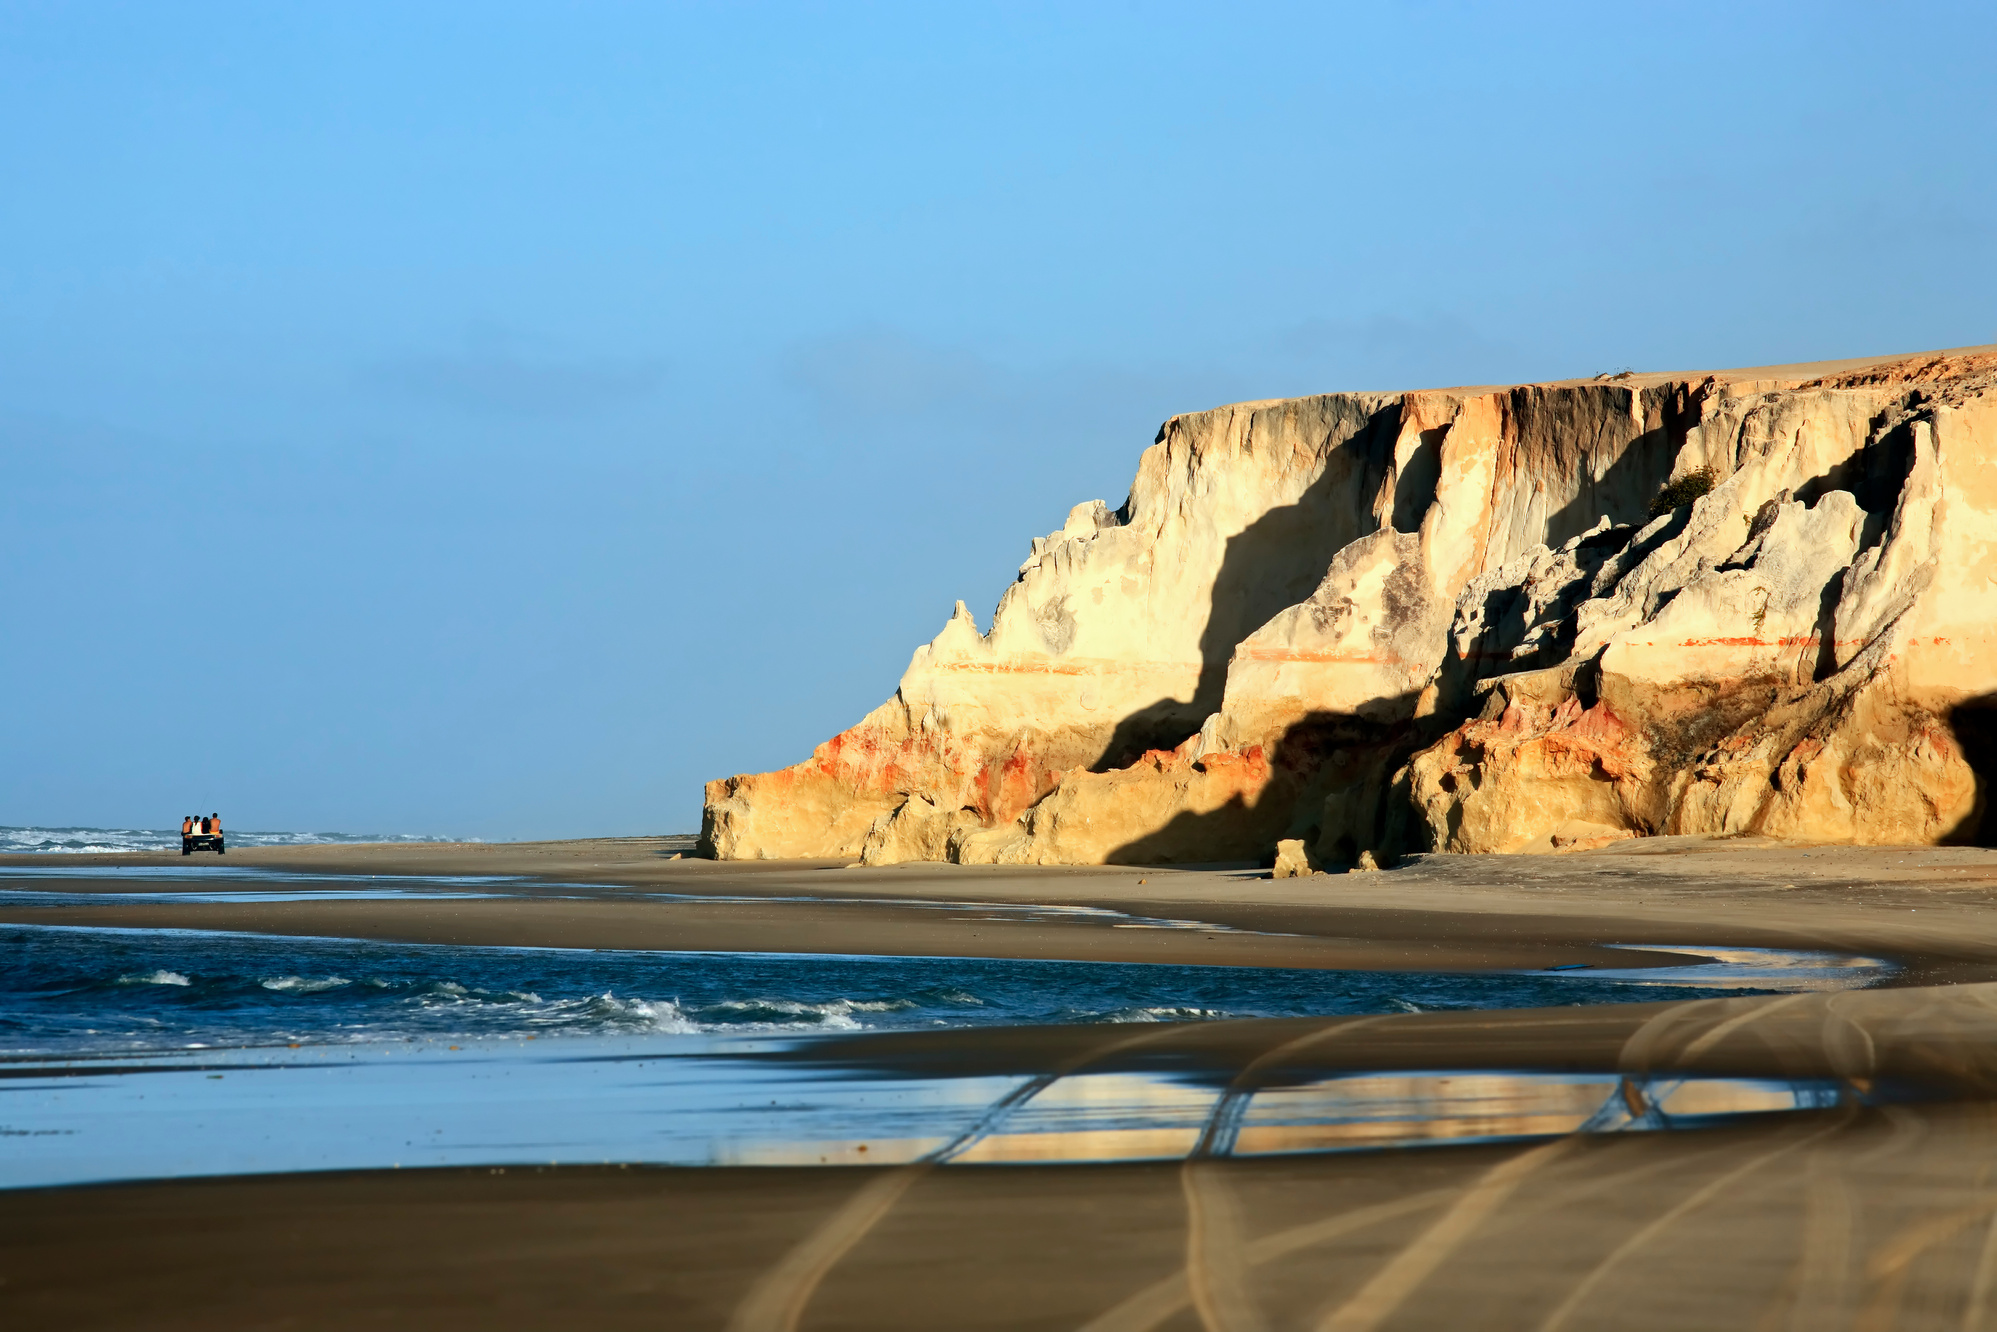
(1450, 620)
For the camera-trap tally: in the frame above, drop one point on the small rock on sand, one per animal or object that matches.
(1291, 861)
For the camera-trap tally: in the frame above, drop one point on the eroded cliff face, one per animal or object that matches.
(1448, 620)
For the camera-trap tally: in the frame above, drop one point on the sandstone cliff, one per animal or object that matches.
(1449, 620)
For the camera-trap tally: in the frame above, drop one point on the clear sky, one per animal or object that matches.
(495, 419)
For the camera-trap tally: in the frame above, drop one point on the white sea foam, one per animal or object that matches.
(833, 1014)
(655, 1015)
(161, 977)
(1169, 1014)
(304, 984)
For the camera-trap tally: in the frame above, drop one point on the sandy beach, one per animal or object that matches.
(1864, 1215)
(1926, 907)
(1862, 1222)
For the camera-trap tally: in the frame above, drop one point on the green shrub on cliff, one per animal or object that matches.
(1683, 490)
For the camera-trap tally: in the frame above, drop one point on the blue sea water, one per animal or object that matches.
(74, 991)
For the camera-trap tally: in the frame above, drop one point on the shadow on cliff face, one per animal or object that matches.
(1279, 560)
(1420, 477)
(1502, 623)
(1875, 475)
(1272, 564)
(1973, 722)
(1339, 756)
(1575, 420)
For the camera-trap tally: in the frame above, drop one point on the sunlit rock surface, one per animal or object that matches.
(1448, 620)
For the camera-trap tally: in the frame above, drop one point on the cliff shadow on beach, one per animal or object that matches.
(1331, 782)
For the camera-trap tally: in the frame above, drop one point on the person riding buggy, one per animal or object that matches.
(199, 834)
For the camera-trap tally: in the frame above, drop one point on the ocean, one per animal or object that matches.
(86, 841)
(98, 991)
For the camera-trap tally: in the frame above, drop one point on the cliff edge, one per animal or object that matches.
(1494, 619)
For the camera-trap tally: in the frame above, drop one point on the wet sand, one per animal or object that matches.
(1869, 1215)
(1858, 1221)
(1926, 907)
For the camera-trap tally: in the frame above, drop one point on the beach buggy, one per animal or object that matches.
(198, 834)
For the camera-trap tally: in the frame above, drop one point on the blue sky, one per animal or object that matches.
(496, 419)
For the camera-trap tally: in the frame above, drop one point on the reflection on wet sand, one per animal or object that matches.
(1365, 1111)
(1128, 1117)
(1099, 1117)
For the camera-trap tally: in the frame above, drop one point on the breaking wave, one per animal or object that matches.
(302, 984)
(1165, 1014)
(832, 1014)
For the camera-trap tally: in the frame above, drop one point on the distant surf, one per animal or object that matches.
(19, 840)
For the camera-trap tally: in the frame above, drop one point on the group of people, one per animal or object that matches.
(208, 829)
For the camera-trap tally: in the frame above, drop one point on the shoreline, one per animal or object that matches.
(1926, 908)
